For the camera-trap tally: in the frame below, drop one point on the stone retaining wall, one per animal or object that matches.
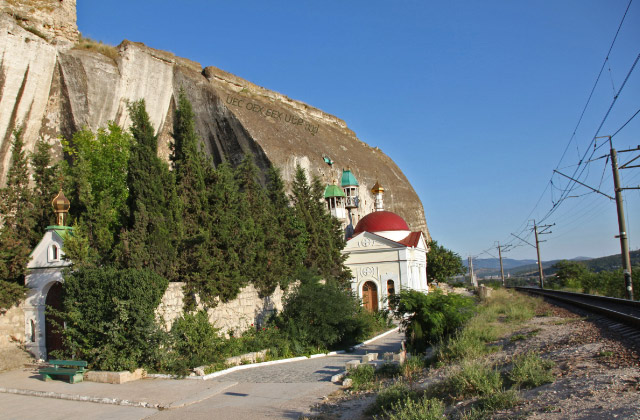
(238, 315)
(12, 336)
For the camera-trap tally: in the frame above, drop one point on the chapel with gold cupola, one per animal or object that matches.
(384, 255)
(44, 280)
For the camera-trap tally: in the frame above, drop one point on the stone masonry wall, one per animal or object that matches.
(11, 337)
(238, 315)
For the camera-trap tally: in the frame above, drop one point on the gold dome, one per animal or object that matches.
(61, 205)
(377, 188)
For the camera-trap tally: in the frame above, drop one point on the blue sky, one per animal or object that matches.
(475, 101)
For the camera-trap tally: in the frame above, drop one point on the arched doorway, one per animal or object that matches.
(370, 296)
(391, 290)
(53, 337)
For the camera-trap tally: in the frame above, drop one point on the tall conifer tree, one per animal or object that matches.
(17, 236)
(153, 210)
(45, 185)
(190, 167)
(291, 230)
(325, 238)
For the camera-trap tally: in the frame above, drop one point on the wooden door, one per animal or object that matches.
(370, 296)
(52, 324)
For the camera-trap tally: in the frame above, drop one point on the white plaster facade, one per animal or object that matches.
(377, 259)
(45, 270)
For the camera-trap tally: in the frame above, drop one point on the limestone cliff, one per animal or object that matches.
(54, 89)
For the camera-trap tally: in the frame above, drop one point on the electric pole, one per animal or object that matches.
(543, 231)
(622, 224)
(504, 284)
(472, 278)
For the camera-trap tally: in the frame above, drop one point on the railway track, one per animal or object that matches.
(623, 311)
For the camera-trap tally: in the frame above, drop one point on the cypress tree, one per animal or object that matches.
(153, 211)
(190, 167)
(45, 185)
(17, 236)
(291, 230)
(263, 260)
(325, 238)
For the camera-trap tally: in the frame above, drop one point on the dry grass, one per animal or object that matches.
(97, 46)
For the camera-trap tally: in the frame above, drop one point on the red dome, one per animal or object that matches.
(380, 221)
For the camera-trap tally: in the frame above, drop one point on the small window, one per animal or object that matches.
(33, 331)
(54, 253)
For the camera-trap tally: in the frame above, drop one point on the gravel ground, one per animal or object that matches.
(597, 372)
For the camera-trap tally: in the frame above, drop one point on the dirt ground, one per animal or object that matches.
(597, 372)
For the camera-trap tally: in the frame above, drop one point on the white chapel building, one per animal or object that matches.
(44, 280)
(384, 255)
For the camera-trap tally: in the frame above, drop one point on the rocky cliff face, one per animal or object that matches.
(53, 90)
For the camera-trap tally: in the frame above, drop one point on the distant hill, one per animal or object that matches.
(491, 266)
(483, 267)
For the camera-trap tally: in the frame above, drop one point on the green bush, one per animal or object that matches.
(472, 379)
(428, 318)
(389, 396)
(10, 294)
(530, 370)
(423, 409)
(323, 316)
(194, 342)
(461, 346)
(109, 317)
(363, 377)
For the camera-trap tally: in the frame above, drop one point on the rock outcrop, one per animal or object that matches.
(53, 89)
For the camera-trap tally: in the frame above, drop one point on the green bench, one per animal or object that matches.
(74, 369)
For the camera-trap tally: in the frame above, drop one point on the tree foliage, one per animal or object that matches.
(428, 318)
(17, 217)
(97, 186)
(45, 185)
(324, 236)
(442, 263)
(153, 216)
(322, 314)
(109, 317)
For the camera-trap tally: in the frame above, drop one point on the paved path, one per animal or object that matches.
(283, 391)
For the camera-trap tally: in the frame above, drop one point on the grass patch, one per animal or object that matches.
(486, 406)
(605, 353)
(412, 366)
(473, 379)
(363, 377)
(530, 371)
(390, 396)
(388, 370)
(97, 46)
(517, 337)
(569, 320)
(422, 409)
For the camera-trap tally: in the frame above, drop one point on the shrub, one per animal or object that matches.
(461, 346)
(109, 317)
(389, 396)
(363, 377)
(322, 315)
(431, 317)
(10, 294)
(423, 409)
(195, 341)
(473, 379)
(412, 366)
(530, 370)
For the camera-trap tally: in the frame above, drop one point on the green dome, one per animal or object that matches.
(348, 178)
(333, 191)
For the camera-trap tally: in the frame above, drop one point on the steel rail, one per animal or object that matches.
(623, 310)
